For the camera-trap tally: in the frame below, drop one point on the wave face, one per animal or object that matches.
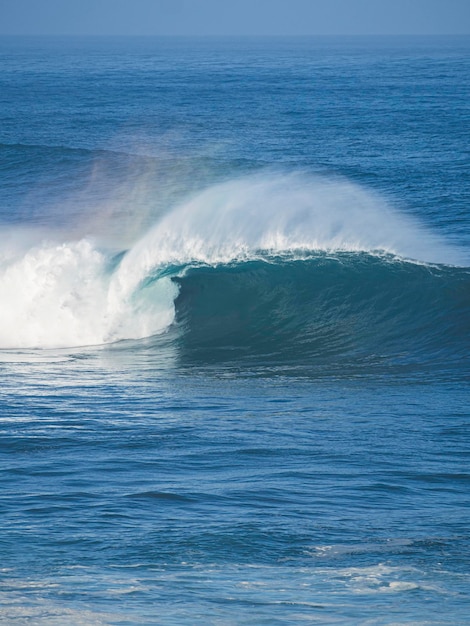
(271, 264)
(326, 308)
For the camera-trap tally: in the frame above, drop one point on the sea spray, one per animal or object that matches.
(280, 213)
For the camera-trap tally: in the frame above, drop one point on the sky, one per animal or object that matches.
(234, 17)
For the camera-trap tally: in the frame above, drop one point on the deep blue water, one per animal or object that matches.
(234, 331)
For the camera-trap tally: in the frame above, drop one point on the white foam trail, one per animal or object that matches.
(65, 294)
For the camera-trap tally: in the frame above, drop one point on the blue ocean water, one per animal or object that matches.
(234, 331)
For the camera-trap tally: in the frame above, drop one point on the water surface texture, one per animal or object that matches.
(234, 331)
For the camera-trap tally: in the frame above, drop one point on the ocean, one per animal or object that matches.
(235, 331)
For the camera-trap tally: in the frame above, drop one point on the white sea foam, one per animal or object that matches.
(63, 294)
(58, 295)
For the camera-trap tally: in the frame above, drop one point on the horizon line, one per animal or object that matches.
(233, 35)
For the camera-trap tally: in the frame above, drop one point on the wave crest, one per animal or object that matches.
(279, 213)
(73, 294)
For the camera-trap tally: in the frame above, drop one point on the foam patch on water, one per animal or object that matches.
(255, 593)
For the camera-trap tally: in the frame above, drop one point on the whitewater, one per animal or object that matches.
(234, 331)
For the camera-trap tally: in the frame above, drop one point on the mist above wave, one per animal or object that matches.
(279, 213)
(71, 293)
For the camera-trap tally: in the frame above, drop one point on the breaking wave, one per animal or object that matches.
(282, 263)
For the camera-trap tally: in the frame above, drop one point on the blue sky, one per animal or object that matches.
(234, 17)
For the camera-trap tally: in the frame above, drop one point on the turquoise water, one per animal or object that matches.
(234, 331)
